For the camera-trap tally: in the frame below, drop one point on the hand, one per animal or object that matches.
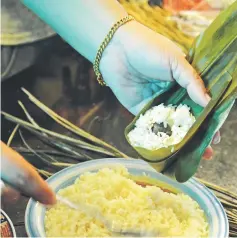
(140, 64)
(23, 177)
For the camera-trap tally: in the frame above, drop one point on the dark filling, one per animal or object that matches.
(161, 128)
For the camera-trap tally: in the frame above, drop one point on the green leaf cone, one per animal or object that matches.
(214, 56)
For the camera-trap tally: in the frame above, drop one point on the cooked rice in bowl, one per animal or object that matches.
(119, 198)
(176, 122)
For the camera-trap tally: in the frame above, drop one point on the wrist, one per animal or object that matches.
(82, 23)
(114, 53)
(110, 14)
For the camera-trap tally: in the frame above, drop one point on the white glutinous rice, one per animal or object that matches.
(178, 119)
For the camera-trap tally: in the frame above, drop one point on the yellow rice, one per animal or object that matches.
(120, 199)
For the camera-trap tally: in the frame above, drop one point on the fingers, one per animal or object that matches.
(185, 75)
(217, 138)
(188, 78)
(21, 175)
(208, 154)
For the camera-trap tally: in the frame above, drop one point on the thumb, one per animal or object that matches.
(186, 76)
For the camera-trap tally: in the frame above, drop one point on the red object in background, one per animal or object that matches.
(182, 5)
(6, 228)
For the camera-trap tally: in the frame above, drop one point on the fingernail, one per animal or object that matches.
(205, 100)
(216, 140)
(208, 97)
(210, 158)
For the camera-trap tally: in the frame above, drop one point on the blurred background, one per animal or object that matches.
(64, 81)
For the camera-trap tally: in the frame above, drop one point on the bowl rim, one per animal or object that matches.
(128, 164)
(10, 223)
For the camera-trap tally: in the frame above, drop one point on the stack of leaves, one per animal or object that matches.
(229, 202)
(158, 20)
(81, 147)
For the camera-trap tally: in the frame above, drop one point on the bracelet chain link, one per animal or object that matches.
(102, 47)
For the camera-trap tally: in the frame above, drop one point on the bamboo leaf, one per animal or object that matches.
(23, 150)
(29, 126)
(218, 188)
(35, 153)
(190, 157)
(65, 123)
(12, 135)
(214, 57)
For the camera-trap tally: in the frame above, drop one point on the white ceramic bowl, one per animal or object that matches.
(215, 213)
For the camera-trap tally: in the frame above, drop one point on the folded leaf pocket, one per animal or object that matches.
(214, 56)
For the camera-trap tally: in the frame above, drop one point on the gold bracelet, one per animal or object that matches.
(102, 47)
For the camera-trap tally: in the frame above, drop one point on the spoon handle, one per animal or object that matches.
(93, 212)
